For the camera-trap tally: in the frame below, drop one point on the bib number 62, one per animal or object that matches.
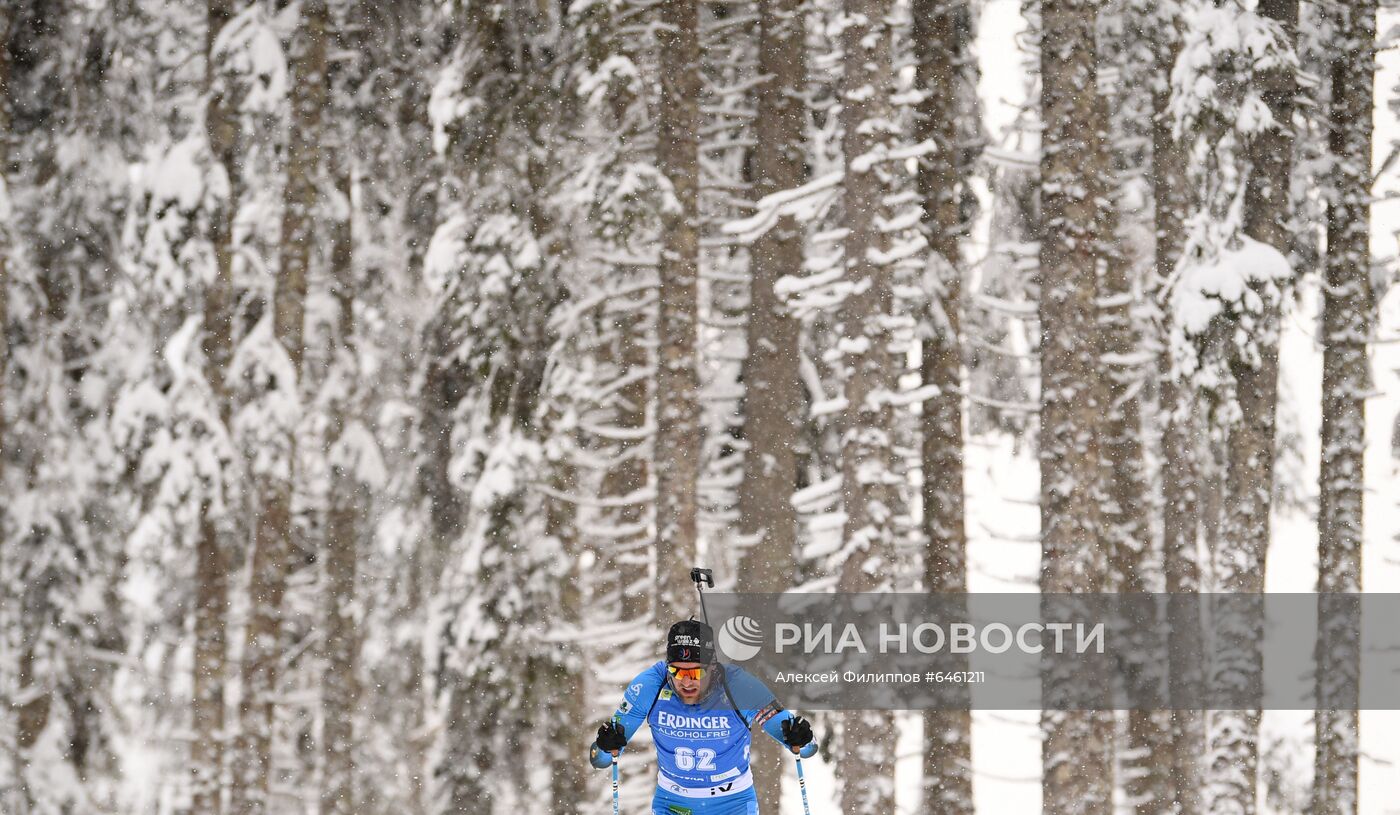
(688, 759)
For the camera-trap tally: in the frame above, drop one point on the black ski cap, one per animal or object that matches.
(690, 641)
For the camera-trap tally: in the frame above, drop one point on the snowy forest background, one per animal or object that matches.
(372, 372)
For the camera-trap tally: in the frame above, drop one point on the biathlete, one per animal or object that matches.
(701, 714)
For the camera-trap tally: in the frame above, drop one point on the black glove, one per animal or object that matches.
(612, 738)
(797, 732)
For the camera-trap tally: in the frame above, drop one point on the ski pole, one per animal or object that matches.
(617, 809)
(703, 577)
(802, 785)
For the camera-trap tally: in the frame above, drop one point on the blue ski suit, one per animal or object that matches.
(702, 750)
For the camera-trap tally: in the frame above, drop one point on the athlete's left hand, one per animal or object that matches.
(611, 738)
(797, 733)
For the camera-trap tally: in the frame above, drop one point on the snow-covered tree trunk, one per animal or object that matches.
(867, 772)
(774, 408)
(866, 307)
(351, 468)
(1074, 171)
(210, 664)
(271, 559)
(6, 18)
(10, 792)
(1126, 517)
(773, 400)
(942, 44)
(616, 124)
(1347, 317)
(441, 392)
(568, 775)
(678, 438)
(1180, 513)
(1134, 565)
(444, 384)
(1181, 516)
(212, 545)
(626, 481)
(221, 121)
(1250, 480)
(1240, 558)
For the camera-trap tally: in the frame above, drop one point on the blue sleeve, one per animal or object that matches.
(632, 713)
(760, 707)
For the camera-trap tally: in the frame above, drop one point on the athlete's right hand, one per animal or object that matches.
(611, 737)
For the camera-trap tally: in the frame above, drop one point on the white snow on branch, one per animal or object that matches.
(900, 251)
(802, 203)
(357, 452)
(829, 407)
(250, 45)
(788, 286)
(447, 104)
(1204, 290)
(177, 176)
(615, 71)
(882, 153)
(820, 494)
(993, 303)
(1224, 46)
(447, 251)
(916, 396)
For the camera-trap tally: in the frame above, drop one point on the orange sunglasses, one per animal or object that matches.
(686, 673)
